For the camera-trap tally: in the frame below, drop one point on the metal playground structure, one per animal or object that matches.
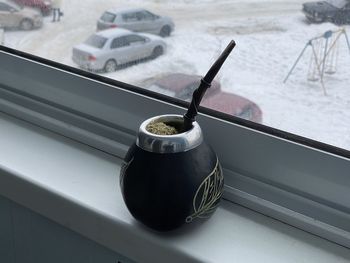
(324, 56)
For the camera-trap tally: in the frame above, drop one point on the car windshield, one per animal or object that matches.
(337, 3)
(186, 94)
(16, 6)
(96, 41)
(108, 17)
(246, 113)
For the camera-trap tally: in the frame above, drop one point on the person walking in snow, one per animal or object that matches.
(56, 10)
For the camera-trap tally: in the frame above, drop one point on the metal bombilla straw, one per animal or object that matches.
(198, 94)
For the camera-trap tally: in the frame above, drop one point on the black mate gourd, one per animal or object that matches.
(168, 180)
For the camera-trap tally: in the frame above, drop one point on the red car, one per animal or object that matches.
(182, 86)
(43, 5)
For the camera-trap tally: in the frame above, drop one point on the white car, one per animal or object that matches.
(108, 49)
(137, 20)
(15, 16)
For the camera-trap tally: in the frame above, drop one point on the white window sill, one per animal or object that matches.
(78, 187)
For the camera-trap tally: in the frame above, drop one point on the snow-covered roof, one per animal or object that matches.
(124, 10)
(113, 32)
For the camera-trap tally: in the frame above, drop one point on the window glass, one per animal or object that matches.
(13, 5)
(140, 16)
(246, 113)
(119, 42)
(148, 15)
(292, 58)
(108, 17)
(96, 41)
(134, 39)
(337, 3)
(186, 93)
(4, 7)
(129, 17)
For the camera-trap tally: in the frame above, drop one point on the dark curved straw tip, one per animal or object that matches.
(205, 83)
(213, 71)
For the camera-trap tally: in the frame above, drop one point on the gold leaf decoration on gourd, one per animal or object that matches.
(208, 194)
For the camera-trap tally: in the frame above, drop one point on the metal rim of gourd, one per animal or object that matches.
(181, 142)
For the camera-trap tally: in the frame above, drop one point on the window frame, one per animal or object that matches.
(293, 179)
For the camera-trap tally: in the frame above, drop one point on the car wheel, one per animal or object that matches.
(26, 24)
(165, 31)
(110, 66)
(157, 51)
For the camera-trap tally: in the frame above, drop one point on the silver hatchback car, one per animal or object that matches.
(108, 49)
(138, 20)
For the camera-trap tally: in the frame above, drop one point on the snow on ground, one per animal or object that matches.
(269, 35)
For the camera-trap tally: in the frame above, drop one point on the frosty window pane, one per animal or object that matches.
(183, 39)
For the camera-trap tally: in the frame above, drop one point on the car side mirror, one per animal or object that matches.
(12, 10)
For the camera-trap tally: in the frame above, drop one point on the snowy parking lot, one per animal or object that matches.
(269, 35)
